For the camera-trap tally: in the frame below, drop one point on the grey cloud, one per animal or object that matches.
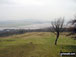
(4, 1)
(50, 9)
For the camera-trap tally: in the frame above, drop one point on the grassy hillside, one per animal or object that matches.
(35, 44)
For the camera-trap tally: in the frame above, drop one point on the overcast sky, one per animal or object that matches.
(36, 9)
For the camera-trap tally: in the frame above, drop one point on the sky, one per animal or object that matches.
(37, 9)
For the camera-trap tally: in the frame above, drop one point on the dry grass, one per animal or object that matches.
(35, 44)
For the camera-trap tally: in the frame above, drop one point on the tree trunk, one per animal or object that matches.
(57, 38)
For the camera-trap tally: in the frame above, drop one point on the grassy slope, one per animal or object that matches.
(35, 44)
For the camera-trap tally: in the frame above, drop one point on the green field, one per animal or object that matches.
(35, 44)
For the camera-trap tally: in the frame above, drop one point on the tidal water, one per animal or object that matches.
(30, 26)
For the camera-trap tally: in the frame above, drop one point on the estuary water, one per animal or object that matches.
(30, 26)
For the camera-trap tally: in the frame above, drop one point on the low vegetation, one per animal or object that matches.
(35, 44)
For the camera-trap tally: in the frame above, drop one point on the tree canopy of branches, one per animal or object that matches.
(73, 27)
(57, 26)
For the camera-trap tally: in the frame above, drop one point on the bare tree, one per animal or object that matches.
(72, 27)
(57, 27)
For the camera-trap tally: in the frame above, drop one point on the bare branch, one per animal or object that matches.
(57, 27)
